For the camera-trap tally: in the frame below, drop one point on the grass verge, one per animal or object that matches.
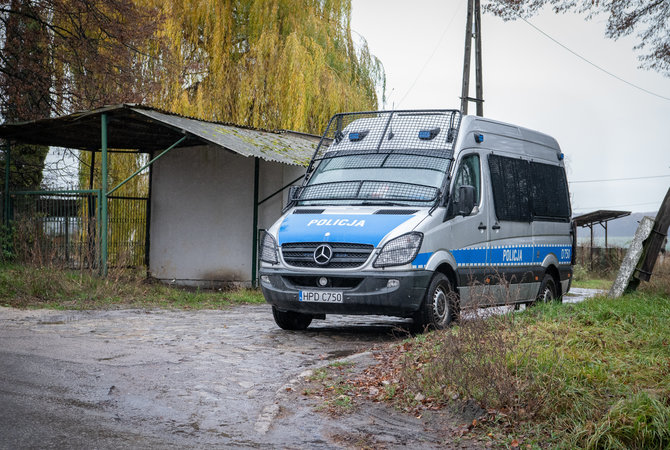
(24, 286)
(585, 278)
(330, 386)
(590, 375)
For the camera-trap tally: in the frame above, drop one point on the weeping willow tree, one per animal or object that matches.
(263, 63)
(270, 64)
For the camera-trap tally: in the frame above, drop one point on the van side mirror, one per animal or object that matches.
(293, 193)
(293, 196)
(466, 194)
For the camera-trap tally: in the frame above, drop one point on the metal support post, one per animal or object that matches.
(254, 250)
(146, 165)
(147, 232)
(8, 152)
(279, 191)
(591, 249)
(103, 210)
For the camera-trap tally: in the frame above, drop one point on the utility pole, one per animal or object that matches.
(473, 30)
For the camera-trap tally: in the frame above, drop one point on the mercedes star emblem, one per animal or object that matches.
(322, 254)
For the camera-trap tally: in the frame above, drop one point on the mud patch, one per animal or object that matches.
(361, 421)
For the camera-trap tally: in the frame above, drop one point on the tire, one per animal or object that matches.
(440, 306)
(291, 320)
(548, 292)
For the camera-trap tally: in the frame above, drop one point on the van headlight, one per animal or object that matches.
(268, 250)
(399, 251)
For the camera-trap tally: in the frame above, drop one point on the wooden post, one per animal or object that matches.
(653, 244)
(479, 87)
(473, 29)
(465, 93)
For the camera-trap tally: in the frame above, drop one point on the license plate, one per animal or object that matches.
(321, 296)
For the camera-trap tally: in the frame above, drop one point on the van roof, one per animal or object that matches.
(507, 138)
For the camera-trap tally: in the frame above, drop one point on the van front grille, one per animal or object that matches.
(345, 255)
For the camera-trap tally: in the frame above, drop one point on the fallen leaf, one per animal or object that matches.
(514, 443)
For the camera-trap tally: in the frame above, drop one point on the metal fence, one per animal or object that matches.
(128, 231)
(61, 227)
(54, 227)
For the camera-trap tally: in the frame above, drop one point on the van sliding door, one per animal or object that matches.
(511, 247)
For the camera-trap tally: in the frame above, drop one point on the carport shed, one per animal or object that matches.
(212, 186)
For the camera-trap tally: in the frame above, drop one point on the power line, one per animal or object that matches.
(594, 64)
(619, 179)
(439, 42)
(619, 206)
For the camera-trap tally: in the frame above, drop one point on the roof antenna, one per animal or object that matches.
(390, 133)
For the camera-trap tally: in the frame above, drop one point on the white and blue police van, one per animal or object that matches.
(419, 214)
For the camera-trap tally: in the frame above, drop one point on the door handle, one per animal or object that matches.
(496, 226)
(481, 226)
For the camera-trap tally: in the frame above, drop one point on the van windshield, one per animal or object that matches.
(376, 178)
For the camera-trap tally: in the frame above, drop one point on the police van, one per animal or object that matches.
(419, 214)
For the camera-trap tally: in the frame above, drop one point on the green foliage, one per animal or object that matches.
(24, 286)
(269, 64)
(332, 386)
(594, 374)
(25, 168)
(639, 421)
(6, 244)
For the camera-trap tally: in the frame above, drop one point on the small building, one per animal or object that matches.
(213, 186)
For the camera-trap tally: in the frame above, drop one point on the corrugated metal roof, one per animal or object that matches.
(599, 216)
(148, 129)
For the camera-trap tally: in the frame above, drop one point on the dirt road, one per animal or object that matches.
(129, 378)
(163, 379)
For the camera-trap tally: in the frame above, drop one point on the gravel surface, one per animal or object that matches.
(164, 379)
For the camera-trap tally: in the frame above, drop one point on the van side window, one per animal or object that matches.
(549, 193)
(525, 191)
(469, 174)
(511, 188)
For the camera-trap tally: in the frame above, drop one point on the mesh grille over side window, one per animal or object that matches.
(549, 191)
(511, 188)
(523, 190)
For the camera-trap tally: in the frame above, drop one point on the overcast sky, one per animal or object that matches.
(606, 128)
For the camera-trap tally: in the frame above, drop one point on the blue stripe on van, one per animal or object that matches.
(421, 260)
(511, 255)
(472, 257)
(354, 228)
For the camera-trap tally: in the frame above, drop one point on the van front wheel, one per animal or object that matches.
(439, 306)
(291, 320)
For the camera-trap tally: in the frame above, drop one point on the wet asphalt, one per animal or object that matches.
(184, 379)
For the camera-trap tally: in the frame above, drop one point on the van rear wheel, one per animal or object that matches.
(548, 292)
(291, 320)
(439, 307)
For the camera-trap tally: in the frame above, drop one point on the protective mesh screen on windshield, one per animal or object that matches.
(383, 157)
(370, 190)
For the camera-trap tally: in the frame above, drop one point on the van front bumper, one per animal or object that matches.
(362, 292)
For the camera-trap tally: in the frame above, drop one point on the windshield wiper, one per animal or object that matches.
(382, 203)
